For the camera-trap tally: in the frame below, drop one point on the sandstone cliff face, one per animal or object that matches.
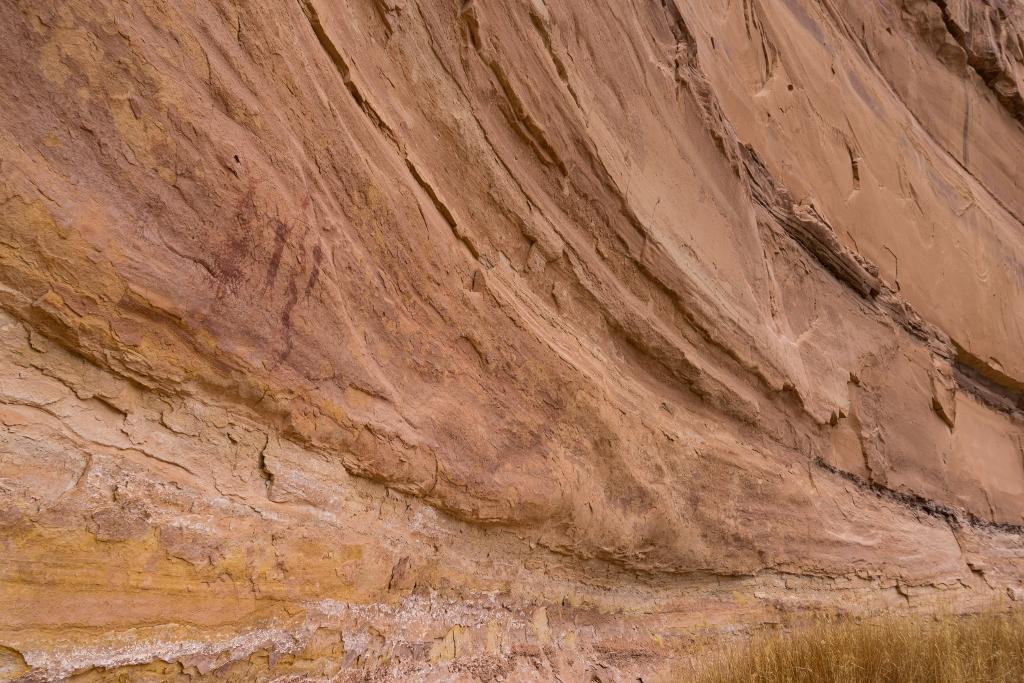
(506, 340)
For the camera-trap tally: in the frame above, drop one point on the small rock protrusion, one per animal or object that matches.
(943, 392)
(403, 575)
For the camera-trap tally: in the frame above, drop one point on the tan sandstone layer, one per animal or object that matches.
(506, 340)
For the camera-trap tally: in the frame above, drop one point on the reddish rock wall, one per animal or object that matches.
(385, 339)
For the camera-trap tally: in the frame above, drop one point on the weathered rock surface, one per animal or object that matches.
(508, 340)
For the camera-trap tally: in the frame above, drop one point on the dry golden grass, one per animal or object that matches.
(890, 649)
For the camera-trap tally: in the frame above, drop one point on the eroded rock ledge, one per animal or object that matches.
(417, 340)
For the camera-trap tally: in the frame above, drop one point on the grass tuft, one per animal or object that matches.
(890, 649)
